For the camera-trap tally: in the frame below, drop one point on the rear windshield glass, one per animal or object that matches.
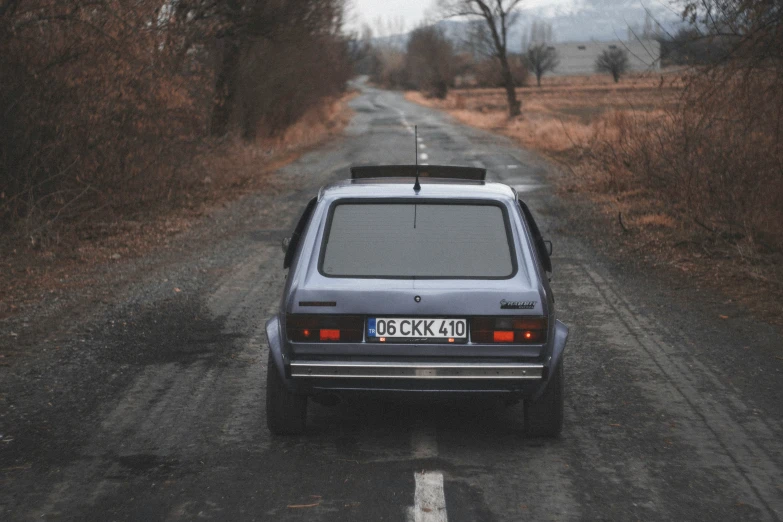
(417, 240)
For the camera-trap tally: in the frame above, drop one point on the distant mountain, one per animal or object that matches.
(599, 20)
(395, 41)
(572, 21)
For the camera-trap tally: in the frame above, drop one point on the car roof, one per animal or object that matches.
(403, 188)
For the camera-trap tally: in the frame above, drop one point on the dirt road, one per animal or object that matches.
(147, 403)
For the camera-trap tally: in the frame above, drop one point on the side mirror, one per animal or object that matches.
(548, 247)
(286, 242)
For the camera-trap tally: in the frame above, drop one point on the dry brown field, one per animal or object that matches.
(565, 112)
(566, 119)
(578, 122)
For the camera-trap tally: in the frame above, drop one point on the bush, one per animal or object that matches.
(541, 58)
(717, 157)
(612, 61)
(488, 72)
(430, 61)
(391, 70)
(93, 113)
(106, 103)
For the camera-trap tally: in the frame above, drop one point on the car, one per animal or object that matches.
(418, 279)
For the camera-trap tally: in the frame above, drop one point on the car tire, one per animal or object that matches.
(286, 412)
(544, 416)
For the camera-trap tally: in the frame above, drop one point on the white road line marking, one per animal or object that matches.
(420, 139)
(429, 500)
(423, 156)
(421, 145)
(404, 121)
(512, 166)
(423, 163)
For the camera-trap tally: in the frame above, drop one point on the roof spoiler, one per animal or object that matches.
(424, 171)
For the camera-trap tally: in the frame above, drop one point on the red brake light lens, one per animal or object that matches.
(316, 328)
(329, 335)
(501, 336)
(508, 330)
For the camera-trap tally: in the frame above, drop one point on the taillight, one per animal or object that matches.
(508, 329)
(502, 336)
(313, 328)
(329, 335)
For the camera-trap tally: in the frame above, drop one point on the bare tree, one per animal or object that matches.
(430, 61)
(499, 15)
(479, 42)
(104, 104)
(263, 47)
(613, 61)
(542, 58)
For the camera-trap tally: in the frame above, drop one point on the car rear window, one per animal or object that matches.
(428, 240)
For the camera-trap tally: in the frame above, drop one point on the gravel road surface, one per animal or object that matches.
(147, 403)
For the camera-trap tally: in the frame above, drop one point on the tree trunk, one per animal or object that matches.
(538, 79)
(511, 94)
(225, 89)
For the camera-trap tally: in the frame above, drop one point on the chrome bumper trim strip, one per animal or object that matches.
(385, 370)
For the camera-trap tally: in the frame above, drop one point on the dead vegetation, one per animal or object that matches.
(110, 108)
(123, 120)
(493, 19)
(430, 61)
(564, 115)
(235, 168)
(688, 174)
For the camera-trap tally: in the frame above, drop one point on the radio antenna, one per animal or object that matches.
(416, 186)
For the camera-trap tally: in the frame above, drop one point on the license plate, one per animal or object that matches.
(416, 329)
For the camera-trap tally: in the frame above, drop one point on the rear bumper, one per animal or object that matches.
(311, 375)
(315, 377)
(415, 370)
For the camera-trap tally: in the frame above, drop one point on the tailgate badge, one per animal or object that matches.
(417, 298)
(517, 305)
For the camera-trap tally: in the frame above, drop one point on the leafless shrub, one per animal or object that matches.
(391, 70)
(687, 47)
(90, 109)
(542, 58)
(104, 104)
(718, 156)
(717, 160)
(613, 61)
(430, 61)
(275, 59)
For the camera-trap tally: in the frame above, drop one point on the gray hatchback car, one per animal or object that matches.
(416, 279)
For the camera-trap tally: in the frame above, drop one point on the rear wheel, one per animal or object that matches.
(286, 413)
(544, 416)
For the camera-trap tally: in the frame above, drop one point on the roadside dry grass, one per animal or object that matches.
(565, 113)
(29, 272)
(575, 121)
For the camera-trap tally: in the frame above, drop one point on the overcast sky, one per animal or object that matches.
(367, 11)
(412, 12)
